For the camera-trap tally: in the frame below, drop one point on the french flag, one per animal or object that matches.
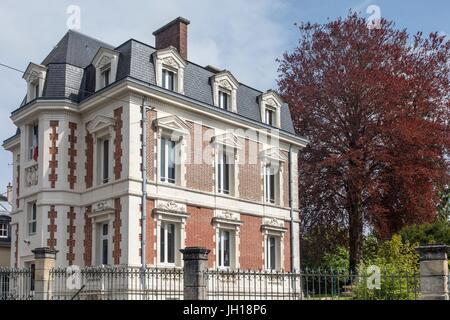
(35, 143)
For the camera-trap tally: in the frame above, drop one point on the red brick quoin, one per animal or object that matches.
(72, 153)
(89, 165)
(53, 150)
(71, 228)
(52, 227)
(117, 238)
(118, 143)
(87, 256)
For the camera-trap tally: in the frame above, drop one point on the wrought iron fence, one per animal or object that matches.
(16, 284)
(310, 285)
(116, 283)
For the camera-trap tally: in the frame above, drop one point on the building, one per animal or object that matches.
(220, 159)
(5, 231)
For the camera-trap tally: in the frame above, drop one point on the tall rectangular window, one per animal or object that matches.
(224, 99)
(269, 184)
(224, 249)
(33, 141)
(168, 80)
(36, 90)
(271, 253)
(104, 243)
(3, 230)
(32, 217)
(106, 75)
(103, 150)
(167, 160)
(269, 117)
(223, 172)
(167, 243)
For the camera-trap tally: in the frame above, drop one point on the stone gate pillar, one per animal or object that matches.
(433, 272)
(195, 264)
(44, 262)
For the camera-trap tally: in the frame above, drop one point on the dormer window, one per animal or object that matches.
(105, 63)
(224, 100)
(169, 69)
(269, 116)
(168, 80)
(270, 104)
(35, 76)
(225, 86)
(106, 75)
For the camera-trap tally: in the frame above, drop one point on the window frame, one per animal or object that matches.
(269, 110)
(220, 260)
(104, 237)
(4, 232)
(224, 96)
(105, 75)
(224, 171)
(100, 156)
(270, 185)
(276, 253)
(165, 243)
(165, 160)
(32, 219)
(166, 73)
(33, 133)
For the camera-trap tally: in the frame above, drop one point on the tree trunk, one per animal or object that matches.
(355, 229)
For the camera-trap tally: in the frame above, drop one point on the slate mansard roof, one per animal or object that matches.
(71, 75)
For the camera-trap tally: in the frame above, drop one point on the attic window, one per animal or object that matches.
(270, 104)
(105, 63)
(169, 67)
(35, 77)
(224, 87)
(106, 75)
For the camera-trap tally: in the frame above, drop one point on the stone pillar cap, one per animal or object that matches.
(195, 253)
(433, 252)
(40, 253)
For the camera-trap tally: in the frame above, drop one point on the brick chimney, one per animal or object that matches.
(174, 34)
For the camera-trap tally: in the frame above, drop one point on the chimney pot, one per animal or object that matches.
(175, 34)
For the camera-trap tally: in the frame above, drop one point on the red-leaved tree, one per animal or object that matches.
(374, 104)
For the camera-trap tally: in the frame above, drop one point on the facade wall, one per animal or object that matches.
(68, 193)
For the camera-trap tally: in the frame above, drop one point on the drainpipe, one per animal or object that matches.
(144, 183)
(291, 206)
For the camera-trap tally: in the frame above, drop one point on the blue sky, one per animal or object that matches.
(244, 36)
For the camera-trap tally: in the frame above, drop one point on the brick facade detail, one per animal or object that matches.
(53, 150)
(250, 178)
(199, 230)
(200, 165)
(151, 115)
(72, 153)
(118, 152)
(150, 233)
(89, 165)
(52, 228)
(87, 243)
(117, 237)
(71, 229)
(251, 243)
(174, 35)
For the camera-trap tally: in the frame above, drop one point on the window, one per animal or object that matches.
(104, 243)
(271, 253)
(223, 171)
(36, 90)
(269, 184)
(103, 151)
(33, 141)
(168, 80)
(167, 243)
(167, 160)
(106, 75)
(224, 249)
(3, 230)
(224, 100)
(270, 116)
(32, 214)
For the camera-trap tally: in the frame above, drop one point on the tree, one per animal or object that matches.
(374, 104)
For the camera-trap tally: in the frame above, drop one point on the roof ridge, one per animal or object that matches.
(90, 37)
